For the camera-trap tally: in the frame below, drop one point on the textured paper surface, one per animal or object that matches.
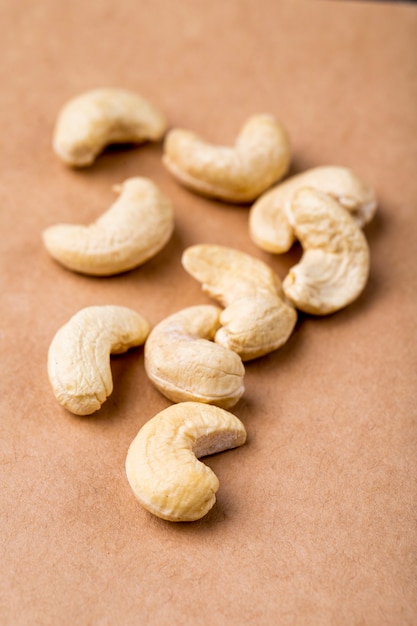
(315, 516)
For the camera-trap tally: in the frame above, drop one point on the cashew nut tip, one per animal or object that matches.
(184, 363)
(133, 230)
(79, 354)
(253, 327)
(334, 267)
(239, 174)
(257, 319)
(269, 227)
(162, 465)
(95, 119)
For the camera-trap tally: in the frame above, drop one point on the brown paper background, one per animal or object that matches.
(315, 517)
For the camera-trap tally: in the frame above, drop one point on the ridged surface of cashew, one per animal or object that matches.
(334, 267)
(256, 320)
(184, 363)
(259, 158)
(269, 226)
(162, 463)
(133, 230)
(79, 354)
(101, 117)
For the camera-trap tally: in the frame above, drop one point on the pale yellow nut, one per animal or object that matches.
(101, 117)
(227, 274)
(184, 363)
(133, 230)
(79, 354)
(255, 326)
(269, 226)
(334, 267)
(257, 319)
(259, 158)
(162, 464)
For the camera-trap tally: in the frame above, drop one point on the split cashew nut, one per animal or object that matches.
(269, 226)
(79, 355)
(334, 268)
(184, 364)
(95, 119)
(162, 464)
(131, 231)
(260, 157)
(256, 319)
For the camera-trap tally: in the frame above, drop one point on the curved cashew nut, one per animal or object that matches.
(334, 267)
(184, 364)
(95, 119)
(256, 319)
(162, 464)
(269, 226)
(79, 355)
(131, 231)
(260, 157)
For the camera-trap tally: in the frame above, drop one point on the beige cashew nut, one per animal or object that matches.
(269, 226)
(260, 157)
(256, 320)
(133, 230)
(79, 354)
(184, 364)
(95, 119)
(162, 464)
(334, 267)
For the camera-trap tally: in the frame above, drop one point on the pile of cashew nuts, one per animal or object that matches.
(195, 356)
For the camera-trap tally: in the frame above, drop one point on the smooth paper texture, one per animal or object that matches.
(315, 516)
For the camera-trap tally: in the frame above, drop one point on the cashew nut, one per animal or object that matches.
(131, 231)
(334, 267)
(98, 118)
(260, 157)
(256, 319)
(79, 355)
(162, 464)
(184, 364)
(269, 226)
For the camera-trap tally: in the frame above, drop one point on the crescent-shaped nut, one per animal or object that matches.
(269, 226)
(162, 464)
(256, 320)
(95, 119)
(260, 157)
(133, 230)
(334, 267)
(184, 363)
(79, 354)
